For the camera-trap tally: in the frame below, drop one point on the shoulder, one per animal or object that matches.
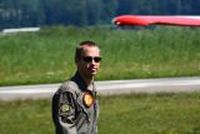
(68, 86)
(66, 89)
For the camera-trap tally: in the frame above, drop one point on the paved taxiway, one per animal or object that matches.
(186, 84)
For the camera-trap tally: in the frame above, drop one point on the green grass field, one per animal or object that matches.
(124, 114)
(47, 56)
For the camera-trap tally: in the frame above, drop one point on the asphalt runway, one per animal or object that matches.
(174, 85)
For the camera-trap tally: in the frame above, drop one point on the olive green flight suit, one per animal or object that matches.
(70, 114)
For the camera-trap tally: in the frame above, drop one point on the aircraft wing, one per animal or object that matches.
(146, 20)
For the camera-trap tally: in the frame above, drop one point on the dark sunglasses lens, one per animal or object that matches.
(97, 59)
(89, 59)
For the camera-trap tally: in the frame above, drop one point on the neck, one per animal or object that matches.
(88, 80)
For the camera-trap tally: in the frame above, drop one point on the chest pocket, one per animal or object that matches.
(86, 103)
(82, 116)
(86, 114)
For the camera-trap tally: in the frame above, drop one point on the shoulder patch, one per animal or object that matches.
(64, 109)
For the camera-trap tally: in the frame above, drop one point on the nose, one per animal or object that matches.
(93, 62)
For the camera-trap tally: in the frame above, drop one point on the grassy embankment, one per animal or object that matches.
(47, 56)
(128, 114)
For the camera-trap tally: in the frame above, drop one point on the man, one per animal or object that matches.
(74, 105)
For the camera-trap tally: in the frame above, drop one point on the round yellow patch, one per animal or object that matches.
(88, 99)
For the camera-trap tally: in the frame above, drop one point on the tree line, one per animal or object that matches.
(31, 13)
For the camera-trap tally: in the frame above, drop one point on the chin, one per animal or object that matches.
(93, 74)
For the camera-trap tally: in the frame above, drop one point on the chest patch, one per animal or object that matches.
(88, 99)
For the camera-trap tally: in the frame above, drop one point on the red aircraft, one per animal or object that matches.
(145, 20)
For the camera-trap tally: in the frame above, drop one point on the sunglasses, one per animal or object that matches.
(89, 59)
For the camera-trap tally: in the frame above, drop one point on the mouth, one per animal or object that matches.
(93, 70)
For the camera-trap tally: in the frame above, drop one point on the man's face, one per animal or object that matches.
(88, 64)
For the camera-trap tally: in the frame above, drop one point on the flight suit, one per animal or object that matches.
(75, 107)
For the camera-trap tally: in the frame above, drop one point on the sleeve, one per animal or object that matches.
(63, 109)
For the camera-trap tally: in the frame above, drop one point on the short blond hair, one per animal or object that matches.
(79, 48)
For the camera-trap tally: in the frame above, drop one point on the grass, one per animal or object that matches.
(151, 114)
(47, 56)
(124, 114)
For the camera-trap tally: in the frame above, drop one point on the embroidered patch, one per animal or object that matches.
(64, 108)
(88, 99)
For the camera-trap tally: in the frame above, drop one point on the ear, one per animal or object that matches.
(77, 61)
